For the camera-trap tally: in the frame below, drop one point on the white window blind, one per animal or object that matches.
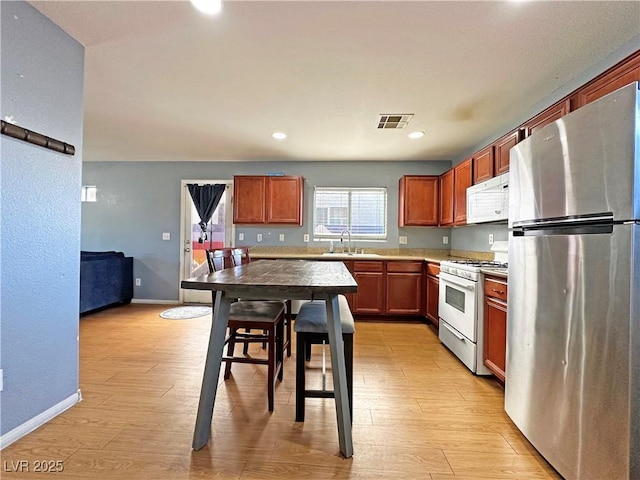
(362, 211)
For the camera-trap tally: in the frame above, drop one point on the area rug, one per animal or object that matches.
(185, 312)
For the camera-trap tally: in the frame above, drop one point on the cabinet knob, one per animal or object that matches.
(497, 291)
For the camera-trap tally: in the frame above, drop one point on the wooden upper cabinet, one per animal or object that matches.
(617, 77)
(249, 193)
(418, 201)
(262, 199)
(463, 178)
(502, 147)
(551, 114)
(446, 198)
(483, 165)
(284, 200)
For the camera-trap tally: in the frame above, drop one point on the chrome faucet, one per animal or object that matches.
(349, 239)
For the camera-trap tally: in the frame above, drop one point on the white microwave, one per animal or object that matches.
(489, 201)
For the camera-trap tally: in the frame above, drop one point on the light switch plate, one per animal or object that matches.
(241, 236)
(259, 237)
(166, 236)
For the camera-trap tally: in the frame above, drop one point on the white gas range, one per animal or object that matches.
(461, 312)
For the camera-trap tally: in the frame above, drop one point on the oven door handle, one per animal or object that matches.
(453, 332)
(466, 286)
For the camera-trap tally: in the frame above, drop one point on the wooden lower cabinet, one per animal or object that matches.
(387, 287)
(370, 277)
(495, 326)
(433, 292)
(404, 288)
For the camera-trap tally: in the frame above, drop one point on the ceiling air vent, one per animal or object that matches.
(394, 120)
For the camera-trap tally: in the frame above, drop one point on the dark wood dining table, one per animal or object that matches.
(275, 279)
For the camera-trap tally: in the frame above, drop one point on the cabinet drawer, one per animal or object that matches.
(433, 269)
(496, 289)
(367, 266)
(400, 267)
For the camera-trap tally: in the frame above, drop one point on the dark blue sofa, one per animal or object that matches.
(106, 278)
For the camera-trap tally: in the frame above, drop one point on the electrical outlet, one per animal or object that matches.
(282, 237)
(166, 236)
(241, 236)
(259, 237)
(138, 282)
(445, 240)
(402, 240)
(306, 238)
(491, 239)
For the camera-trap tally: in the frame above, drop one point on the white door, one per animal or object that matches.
(219, 234)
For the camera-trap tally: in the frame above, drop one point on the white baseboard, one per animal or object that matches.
(39, 420)
(153, 302)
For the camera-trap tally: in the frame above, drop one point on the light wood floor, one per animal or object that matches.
(419, 414)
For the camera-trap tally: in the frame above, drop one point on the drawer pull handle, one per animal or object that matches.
(500, 292)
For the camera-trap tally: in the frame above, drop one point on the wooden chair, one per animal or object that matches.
(241, 256)
(265, 316)
(219, 259)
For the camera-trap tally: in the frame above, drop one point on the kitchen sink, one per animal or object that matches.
(350, 255)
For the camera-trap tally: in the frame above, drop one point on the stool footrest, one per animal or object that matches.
(319, 393)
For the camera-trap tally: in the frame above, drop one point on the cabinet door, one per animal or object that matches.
(483, 165)
(622, 74)
(495, 337)
(551, 114)
(446, 198)
(418, 201)
(284, 200)
(404, 288)
(370, 296)
(248, 199)
(502, 147)
(463, 178)
(433, 291)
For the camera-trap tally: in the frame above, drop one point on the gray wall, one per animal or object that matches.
(40, 216)
(137, 201)
(476, 237)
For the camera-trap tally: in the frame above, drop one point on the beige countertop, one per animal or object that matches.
(495, 273)
(428, 255)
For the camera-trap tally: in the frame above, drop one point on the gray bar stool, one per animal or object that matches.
(311, 328)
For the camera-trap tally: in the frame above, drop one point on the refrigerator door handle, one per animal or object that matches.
(589, 219)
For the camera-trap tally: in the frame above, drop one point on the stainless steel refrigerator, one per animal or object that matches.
(573, 324)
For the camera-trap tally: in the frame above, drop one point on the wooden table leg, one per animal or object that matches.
(339, 372)
(219, 324)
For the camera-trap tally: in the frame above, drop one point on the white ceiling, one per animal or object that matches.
(163, 82)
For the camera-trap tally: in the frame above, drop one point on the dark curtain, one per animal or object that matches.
(206, 199)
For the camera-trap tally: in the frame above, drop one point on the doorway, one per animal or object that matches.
(220, 233)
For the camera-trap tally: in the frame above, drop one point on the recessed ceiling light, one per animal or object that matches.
(279, 135)
(210, 7)
(419, 134)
